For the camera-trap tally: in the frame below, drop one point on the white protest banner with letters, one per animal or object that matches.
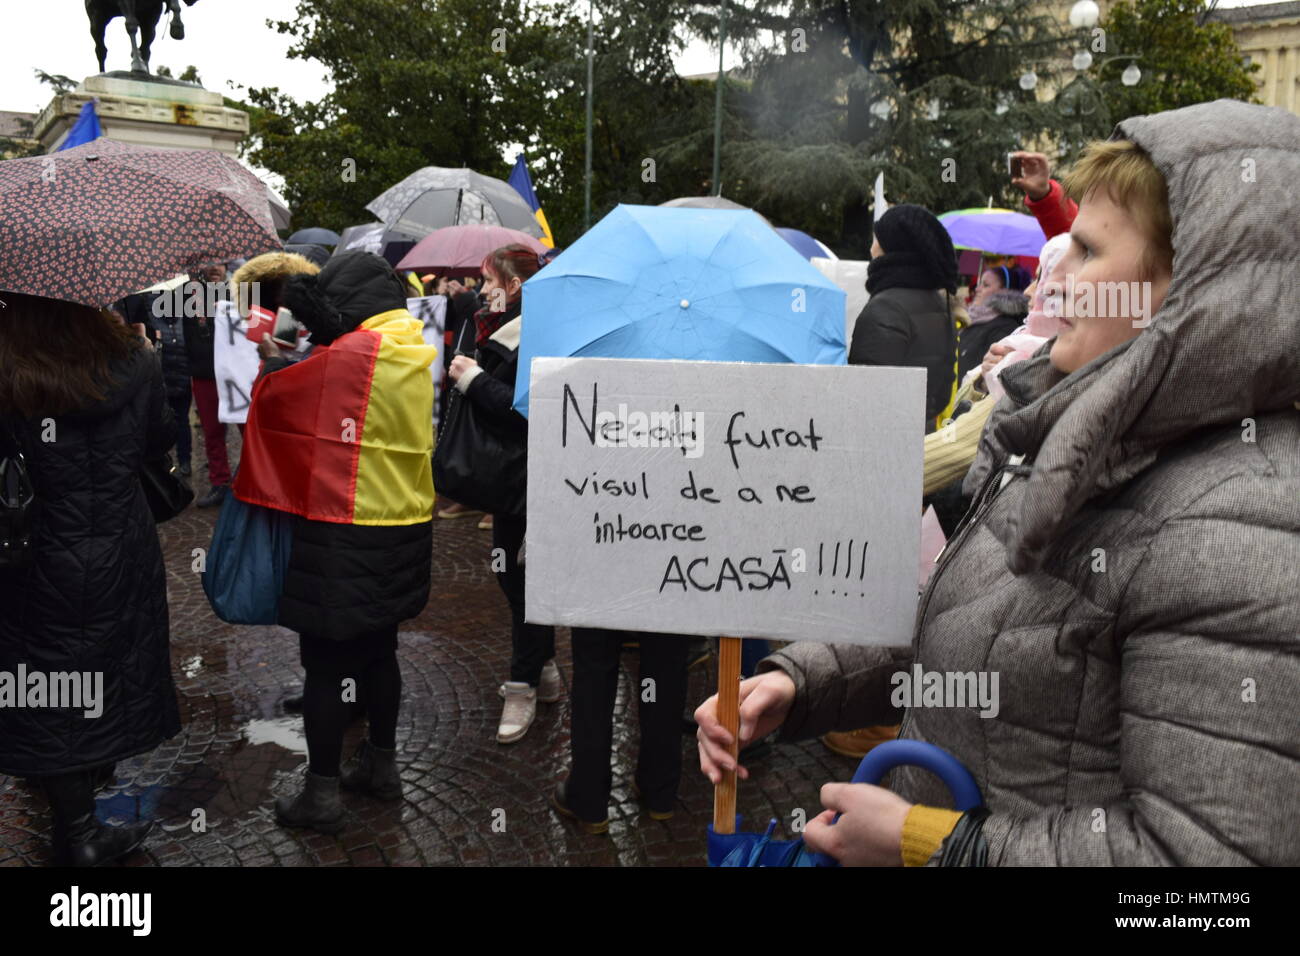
(234, 361)
(725, 499)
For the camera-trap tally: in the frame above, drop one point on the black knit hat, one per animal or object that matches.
(916, 231)
(352, 287)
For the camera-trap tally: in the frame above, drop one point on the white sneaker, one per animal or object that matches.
(549, 688)
(518, 713)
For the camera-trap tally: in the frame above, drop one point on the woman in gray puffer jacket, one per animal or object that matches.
(1130, 568)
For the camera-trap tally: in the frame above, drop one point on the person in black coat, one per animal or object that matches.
(908, 320)
(488, 381)
(169, 328)
(348, 586)
(83, 398)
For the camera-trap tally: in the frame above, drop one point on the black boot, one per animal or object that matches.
(104, 776)
(373, 770)
(317, 806)
(80, 839)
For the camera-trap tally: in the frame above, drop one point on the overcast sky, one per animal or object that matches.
(227, 40)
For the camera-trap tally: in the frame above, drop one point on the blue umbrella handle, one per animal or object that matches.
(917, 753)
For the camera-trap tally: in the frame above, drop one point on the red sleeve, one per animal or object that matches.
(1055, 212)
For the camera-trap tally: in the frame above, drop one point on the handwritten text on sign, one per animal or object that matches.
(731, 499)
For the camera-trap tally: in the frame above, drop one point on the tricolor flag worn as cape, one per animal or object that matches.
(523, 184)
(346, 435)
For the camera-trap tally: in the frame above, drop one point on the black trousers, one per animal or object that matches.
(370, 662)
(659, 711)
(180, 404)
(532, 645)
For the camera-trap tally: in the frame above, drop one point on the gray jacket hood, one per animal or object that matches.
(1224, 346)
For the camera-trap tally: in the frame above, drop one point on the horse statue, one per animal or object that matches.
(141, 15)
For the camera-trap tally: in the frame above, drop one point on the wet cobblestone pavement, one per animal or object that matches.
(238, 750)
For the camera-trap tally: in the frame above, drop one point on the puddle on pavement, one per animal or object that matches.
(285, 732)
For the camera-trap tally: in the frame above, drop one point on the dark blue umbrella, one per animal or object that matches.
(309, 251)
(804, 244)
(316, 236)
(759, 849)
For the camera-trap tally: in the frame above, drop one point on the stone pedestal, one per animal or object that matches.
(147, 111)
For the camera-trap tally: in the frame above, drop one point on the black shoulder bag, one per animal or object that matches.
(17, 507)
(475, 461)
(164, 488)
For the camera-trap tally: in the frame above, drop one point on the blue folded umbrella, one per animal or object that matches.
(655, 282)
(759, 849)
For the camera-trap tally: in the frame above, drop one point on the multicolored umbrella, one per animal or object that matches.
(461, 249)
(435, 196)
(94, 223)
(999, 231)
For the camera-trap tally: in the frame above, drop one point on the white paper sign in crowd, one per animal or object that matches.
(235, 360)
(725, 499)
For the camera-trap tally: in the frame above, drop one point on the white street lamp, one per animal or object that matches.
(1131, 75)
(1084, 14)
(1082, 60)
(1028, 80)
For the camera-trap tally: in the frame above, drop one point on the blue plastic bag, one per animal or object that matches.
(759, 849)
(244, 573)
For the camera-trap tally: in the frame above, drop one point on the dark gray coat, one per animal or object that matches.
(1149, 712)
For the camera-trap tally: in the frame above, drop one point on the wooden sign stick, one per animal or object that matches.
(724, 793)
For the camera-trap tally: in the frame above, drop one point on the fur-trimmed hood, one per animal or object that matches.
(1006, 303)
(272, 267)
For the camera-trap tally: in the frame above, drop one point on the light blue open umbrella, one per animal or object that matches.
(656, 282)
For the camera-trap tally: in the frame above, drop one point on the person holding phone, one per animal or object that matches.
(1044, 197)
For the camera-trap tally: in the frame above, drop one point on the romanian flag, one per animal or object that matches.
(523, 184)
(346, 434)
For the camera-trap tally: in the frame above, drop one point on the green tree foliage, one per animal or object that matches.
(426, 83)
(1183, 60)
(925, 91)
(416, 83)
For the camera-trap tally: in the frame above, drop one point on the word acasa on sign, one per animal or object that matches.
(702, 574)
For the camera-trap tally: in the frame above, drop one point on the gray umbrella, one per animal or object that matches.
(434, 196)
(710, 202)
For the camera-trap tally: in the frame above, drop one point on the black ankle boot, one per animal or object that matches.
(373, 770)
(317, 806)
(80, 839)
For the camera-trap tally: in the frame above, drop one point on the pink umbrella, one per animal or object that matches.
(461, 249)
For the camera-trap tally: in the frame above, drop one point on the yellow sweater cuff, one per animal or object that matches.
(924, 831)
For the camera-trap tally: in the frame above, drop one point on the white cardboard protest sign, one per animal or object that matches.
(725, 499)
(234, 362)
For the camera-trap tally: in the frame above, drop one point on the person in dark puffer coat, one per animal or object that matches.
(908, 320)
(352, 577)
(86, 406)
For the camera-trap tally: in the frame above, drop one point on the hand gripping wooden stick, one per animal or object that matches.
(724, 794)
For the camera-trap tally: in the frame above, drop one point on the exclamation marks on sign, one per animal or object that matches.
(842, 562)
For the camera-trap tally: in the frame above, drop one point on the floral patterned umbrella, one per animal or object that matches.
(96, 222)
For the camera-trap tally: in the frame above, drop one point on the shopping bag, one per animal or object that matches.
(244, 571)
